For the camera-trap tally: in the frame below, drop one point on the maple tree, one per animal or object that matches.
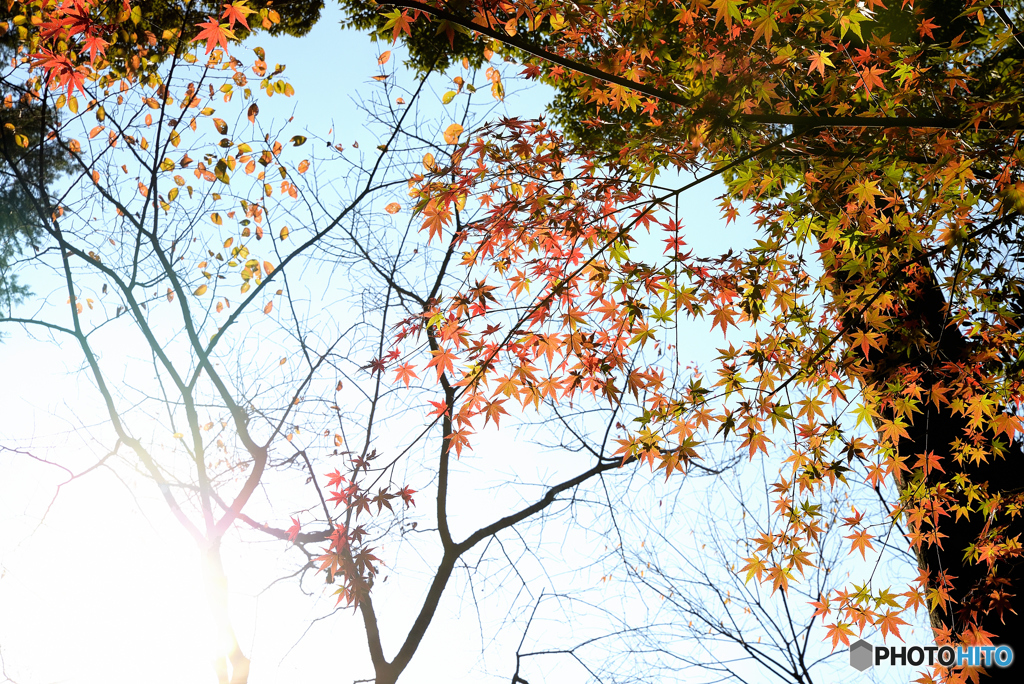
(879, 149)
(872, 332)
(187, 225)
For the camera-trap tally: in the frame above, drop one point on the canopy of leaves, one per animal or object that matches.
(879, 150)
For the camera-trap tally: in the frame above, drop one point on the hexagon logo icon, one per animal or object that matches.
(861, 655)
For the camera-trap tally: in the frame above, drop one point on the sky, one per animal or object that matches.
(98, 583)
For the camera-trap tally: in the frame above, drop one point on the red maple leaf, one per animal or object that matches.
(59, 69)
(440, 408)
(94, 45)
(71, 19)
(237, 11)
(364, 562)
(293, 531)
(406, 493)
(214, 33)
(925, 28)
(375, 366)
(335, 479)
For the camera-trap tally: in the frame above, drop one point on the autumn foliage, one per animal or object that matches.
(877, 149)
(874, 330)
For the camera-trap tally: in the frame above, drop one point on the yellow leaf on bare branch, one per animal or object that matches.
(452, 133)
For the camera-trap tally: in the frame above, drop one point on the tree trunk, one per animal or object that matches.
(983, 593)
(229, 653)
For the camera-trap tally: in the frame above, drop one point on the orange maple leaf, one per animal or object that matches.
(494, 410)
(821, 607)
(839, 632)
(819, 60)
(442, 361)
(861, 542)
(890, 622)
(405, 373)
(213, 34)
(870, 78)
(237, 11)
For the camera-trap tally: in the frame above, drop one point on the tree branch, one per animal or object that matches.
(666, 96)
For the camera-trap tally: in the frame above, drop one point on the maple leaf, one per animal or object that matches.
(925, 28)
(894, 430)
(60, 70)
(819, 60)
(861, 542)
(440, 408)
(383, 499)
(755, 567)
(361, 502)
(459, 439)
(442, 361)
(213, 34)
(364, 562)
(890, 622)
(494, 411)
(375, 366)
(338, 498)
(237, 11)
(399, 22)
(335, 479)
(406, 493)
(727, 10)
(821, 607)
(405, 373)
(839, 632)
(871, 78)
(780, 578)
(853, 520)
(95, 46)
(293, 531)
(329, 561)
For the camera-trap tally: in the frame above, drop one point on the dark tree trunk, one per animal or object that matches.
(982, 593)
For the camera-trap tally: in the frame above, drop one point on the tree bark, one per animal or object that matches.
(981, 593)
